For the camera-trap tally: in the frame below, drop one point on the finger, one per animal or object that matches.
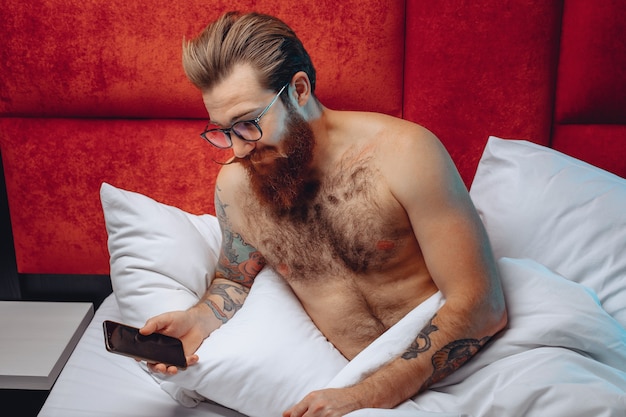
(158, 368)
(297, 410)
(149, 327)
(154, 324)
(192, 360)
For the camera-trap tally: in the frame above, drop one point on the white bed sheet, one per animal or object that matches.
(560, 355)
(95, 382)
(572, 363)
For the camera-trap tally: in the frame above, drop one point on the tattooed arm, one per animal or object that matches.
(425, 362)
(447, 359)
(457, 255)
(238, 265)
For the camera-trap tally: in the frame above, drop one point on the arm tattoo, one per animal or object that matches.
(422, 343)
(446, 360)
(230, 306)
(238, 261)
(225, 225)
(452, 356)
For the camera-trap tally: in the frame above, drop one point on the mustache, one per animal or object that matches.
(254, 157)
(263, 155)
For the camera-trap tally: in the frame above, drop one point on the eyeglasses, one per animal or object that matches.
(248, 130)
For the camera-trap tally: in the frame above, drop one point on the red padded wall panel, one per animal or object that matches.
(475, 69)
(86, 58)
(118, 58)
(591, 86)
(101, 60)
(601, 145)
(54, 200)
(590, 109)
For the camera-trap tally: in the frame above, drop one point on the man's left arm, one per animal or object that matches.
(459, 259)
(458, 256)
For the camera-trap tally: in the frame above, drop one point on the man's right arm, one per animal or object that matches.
(237, 267)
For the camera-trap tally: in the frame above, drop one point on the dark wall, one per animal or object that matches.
(34, 287)
(9, 284)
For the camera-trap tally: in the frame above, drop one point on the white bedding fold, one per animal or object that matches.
(389, 345)
(561, 355)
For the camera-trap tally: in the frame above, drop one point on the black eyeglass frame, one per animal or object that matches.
(232, 128)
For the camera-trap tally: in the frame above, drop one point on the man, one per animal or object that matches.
(364, 215)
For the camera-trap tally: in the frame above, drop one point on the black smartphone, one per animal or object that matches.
(158, 348)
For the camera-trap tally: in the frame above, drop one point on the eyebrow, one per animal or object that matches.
(237, 118)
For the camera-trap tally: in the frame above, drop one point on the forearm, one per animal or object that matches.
(448, 341)
(219, 304)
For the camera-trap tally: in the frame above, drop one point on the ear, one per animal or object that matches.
(302, 88)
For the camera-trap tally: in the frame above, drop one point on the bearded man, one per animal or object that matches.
(364, 215)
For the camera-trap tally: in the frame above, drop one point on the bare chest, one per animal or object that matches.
(349, 253)
(351, 224)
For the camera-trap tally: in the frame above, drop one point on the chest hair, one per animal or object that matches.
(336, 230)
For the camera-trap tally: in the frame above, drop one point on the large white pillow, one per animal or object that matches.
(162, 258)
(568, 215)
(265, 359)
(259, 363)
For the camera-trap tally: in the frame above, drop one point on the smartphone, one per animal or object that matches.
(157, 348)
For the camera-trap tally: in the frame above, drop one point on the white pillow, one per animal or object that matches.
(259, 363)
(266, 358)
(550, 361)
(162, 258)
(568, 215)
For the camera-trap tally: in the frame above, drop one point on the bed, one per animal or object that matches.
(105, 175)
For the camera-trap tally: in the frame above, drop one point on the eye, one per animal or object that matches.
(247, 130)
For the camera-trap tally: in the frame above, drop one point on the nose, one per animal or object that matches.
(242, 148)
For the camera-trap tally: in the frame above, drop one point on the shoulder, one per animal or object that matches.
(401, 145)
(414, 163)
(231, 176)
(230, 186)
(403, 151)
(390, 133)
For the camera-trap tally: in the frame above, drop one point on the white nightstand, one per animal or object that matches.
(36, 339)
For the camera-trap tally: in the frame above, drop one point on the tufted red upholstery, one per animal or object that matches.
(590, 112)
(93, 91)
(481, 68)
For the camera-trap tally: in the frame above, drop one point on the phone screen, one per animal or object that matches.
(158, 348)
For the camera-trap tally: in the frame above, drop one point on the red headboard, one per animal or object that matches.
(93, 91)
(97, 93)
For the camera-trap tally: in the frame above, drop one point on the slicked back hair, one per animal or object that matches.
(262, 41)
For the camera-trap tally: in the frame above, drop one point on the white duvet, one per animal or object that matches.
(560, 355)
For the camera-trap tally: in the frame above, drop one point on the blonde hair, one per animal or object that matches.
(262, 41)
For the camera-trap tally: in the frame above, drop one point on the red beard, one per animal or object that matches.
(281, 179)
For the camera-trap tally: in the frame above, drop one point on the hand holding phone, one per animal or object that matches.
(156, 347)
